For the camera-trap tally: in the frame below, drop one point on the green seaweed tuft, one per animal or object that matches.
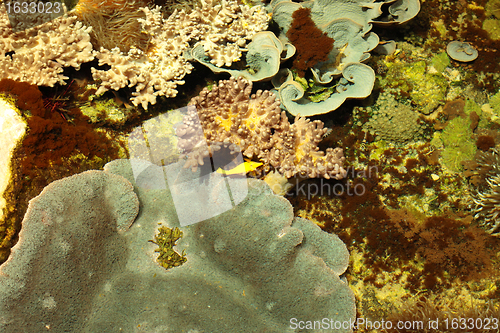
(166, 239)
(495, 103)
(459, 146)
(440, 62)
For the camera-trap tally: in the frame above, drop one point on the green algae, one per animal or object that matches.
(427, 90)
(492, 23)
(493, 8)
(107, 110)
(458, 144)
(166, 240)
(471, 106)
(440, 61)
(495, 103)
(313, 91)
(492, 26)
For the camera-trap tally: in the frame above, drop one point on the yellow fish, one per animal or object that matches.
(243, 168)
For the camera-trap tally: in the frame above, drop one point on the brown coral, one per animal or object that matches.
(256, 126)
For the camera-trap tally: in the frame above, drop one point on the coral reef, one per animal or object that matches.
(222, 29)
(357, 82)
(245, 266)
(57, 144)
(345, 31)
(427, 89)
(39, 55)
(256, 126)
(12, 130)
(51, 139)
(431, 245)
(263, 57)
(212, 249)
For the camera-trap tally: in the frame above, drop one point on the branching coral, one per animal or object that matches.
(257, 127)
(38, 55)
(223, 30)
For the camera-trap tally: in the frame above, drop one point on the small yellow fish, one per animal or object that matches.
(243, 168)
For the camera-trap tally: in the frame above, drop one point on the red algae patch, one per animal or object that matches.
(59, 142)
(312, 44)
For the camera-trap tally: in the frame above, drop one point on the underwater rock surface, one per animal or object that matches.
(76, 267)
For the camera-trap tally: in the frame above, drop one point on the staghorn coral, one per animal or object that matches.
(39, 55)
(256, 126)
(222, 29)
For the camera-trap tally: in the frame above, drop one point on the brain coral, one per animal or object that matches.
(393, 121)
(82, 264)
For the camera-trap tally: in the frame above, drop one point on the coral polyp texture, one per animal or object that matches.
(393, 121)
(114, 23)
(222, 29)
(85, 263)
(256, 126)
(487, 201)
(39, 55)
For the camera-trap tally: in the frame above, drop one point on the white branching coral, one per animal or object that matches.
(38, 55)
(223, 29)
